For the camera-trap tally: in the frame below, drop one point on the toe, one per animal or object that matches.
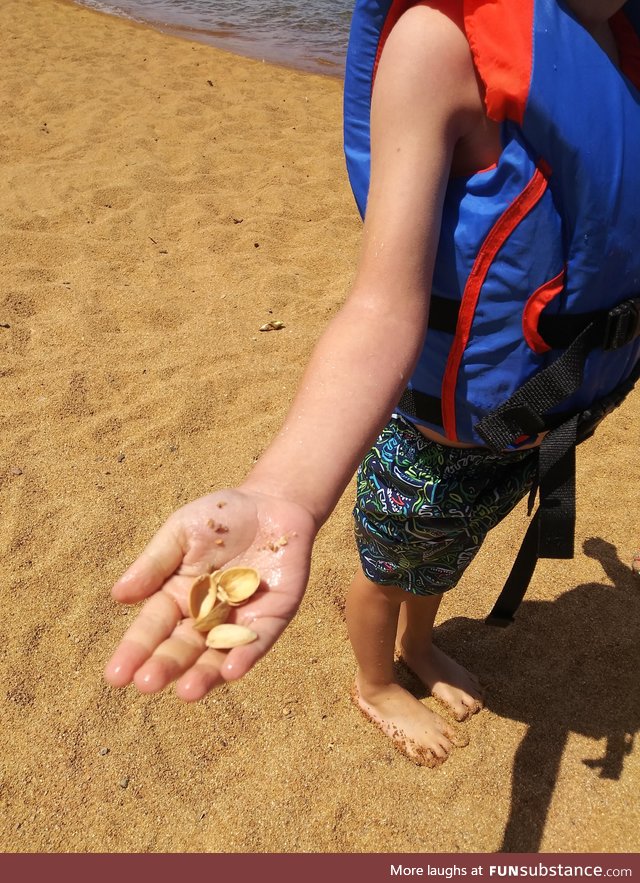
(426, 757)
(452, 702)
(467, 706)
(461, 711)
(473, 705)
(458, 740)
(441, 748)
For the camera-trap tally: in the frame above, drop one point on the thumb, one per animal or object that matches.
(148, 573)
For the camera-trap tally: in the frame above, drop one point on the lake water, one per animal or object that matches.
(307, 34)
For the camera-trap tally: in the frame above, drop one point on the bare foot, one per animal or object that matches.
(445, 679)
(418, 733)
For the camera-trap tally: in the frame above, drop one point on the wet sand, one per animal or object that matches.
(160, 201)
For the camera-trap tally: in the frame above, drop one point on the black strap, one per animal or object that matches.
(518, 580)
(556, 473)
(443, 313)
(421, 406)
(557, 330)
(551, 531)
(561, 330)
(557, 486)
(525, 412)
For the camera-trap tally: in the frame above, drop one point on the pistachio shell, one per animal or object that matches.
(224, 637)
(212, 613)
(237, 584)
(198, 593)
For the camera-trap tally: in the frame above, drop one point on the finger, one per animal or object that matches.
(156, 621)
(241, 659)
(215, 667)
(152, 568)
(173, 657)
(201, 677)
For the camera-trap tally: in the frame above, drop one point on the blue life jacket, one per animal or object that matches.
(537, 248)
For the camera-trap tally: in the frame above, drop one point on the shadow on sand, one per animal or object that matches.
(571, 665)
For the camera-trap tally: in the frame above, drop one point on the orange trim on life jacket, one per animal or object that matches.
(500, 34)
(540, 298)
(495, 239)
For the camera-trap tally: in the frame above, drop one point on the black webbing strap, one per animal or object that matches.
(523, 413)
(518, 580)
(422, 406)
(551, 531)
(557, 486)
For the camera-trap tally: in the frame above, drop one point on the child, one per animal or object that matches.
(446, 143)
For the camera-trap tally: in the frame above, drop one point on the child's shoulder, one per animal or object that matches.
(428, 45)
(453, 9)
(431, 62)
(499, 39)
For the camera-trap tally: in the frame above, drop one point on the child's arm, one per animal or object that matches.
(425, 102)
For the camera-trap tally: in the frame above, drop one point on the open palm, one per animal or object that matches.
(228, 527)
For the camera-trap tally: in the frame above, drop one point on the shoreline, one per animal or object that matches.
(233, 45)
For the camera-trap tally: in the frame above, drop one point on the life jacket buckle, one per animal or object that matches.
(623, 324)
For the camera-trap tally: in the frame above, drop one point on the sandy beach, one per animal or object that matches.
(160, 200)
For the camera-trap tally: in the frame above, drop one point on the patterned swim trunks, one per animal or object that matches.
(423, 509)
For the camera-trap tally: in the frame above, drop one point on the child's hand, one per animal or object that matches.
(231, 527)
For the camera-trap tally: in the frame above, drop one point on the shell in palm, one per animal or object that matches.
(210, 599)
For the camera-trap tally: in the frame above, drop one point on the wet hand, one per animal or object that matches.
(231, 527)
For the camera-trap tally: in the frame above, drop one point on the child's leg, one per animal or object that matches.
(422, 512)
(372, 618)
(443, 676)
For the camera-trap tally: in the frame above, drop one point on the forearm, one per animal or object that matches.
(352, 383)
(366, 356)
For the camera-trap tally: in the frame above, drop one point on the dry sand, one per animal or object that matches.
(160, 201)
